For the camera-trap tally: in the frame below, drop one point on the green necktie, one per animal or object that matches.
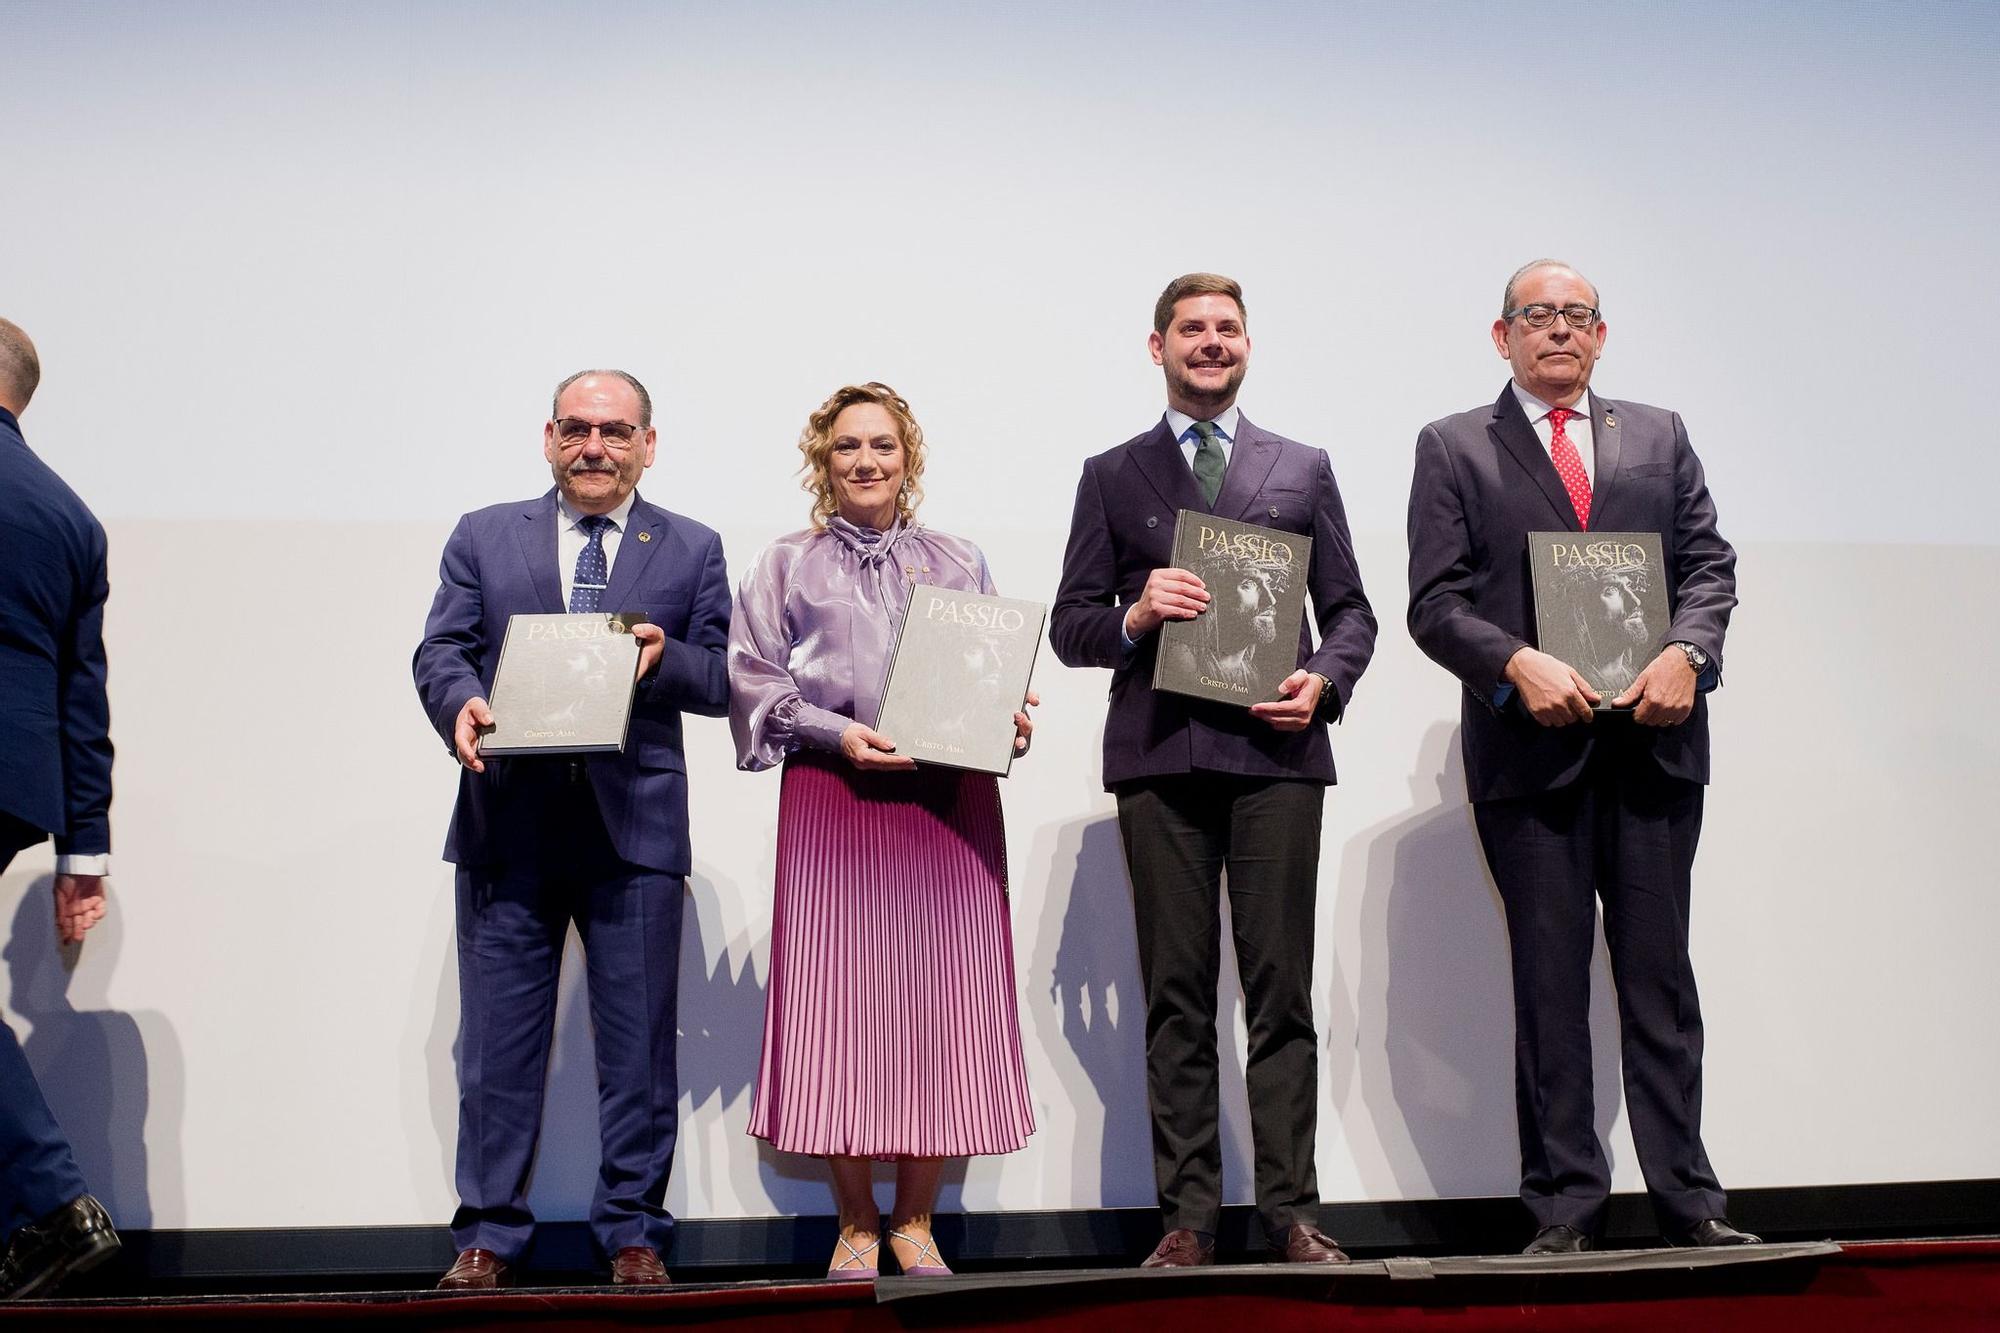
(1209, 463)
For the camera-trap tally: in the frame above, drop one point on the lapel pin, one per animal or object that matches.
(1274, 511)
(1610, 420)
(645, 536)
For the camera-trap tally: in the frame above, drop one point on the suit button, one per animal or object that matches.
(1152, 520)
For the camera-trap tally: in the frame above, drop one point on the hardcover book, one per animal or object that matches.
(958, 675)
(1600, 603)
(1247, 639)
(563, 686)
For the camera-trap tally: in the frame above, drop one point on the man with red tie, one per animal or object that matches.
(1574, 806)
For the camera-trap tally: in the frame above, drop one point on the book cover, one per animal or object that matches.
(564, 685)
(1247, 640)
(957, 676)
(1601, 603)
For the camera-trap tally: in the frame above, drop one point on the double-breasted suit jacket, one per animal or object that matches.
(1123, 529)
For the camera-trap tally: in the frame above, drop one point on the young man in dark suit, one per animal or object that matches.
(55, 734)
(1574, 806)
(1205, 786)
(598, 840)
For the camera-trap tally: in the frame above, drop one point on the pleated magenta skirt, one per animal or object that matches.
(890, 1022)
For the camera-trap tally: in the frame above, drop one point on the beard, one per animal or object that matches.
(1184, 385)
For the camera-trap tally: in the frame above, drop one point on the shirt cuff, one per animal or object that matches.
(97, 863)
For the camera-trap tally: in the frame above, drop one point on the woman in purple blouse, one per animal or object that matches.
(890, 1026)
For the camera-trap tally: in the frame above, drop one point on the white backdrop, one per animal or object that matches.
(302, 278)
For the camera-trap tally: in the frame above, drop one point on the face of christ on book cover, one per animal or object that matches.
(1242, 616)
(1608, 607)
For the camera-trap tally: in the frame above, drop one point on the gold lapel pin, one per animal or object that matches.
(645, 536)
(1610, 420)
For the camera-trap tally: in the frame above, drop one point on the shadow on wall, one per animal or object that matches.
(721, 1031)
(115, 1081)
(1089, 962)
(1434, 1028)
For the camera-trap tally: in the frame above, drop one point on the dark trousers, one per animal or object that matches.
(1180, 833)
(1624, 834)
(38, 1174)
(512, 923)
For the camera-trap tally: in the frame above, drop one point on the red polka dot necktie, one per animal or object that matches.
(1569, 465)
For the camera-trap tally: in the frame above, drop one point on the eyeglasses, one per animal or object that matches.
(1541, 316)
(575, 432)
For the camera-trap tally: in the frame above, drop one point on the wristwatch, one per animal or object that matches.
(1325, 692)
(1695, 656)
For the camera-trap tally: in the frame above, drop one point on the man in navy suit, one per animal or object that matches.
(55, 734)
(1202, 786)
(1572, 805)
(601, 841)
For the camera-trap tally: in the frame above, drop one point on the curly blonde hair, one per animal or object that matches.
(816, 444)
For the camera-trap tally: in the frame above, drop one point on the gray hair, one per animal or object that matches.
(1507, 297)
(20, 368)
(645, 399)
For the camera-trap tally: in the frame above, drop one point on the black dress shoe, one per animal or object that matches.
(75, 1238)
(1558, 1240)
(1714, 1231)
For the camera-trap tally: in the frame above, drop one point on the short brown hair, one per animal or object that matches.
(1195, 284)
(20, 368)
(816, 444)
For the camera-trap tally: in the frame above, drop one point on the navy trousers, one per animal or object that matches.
(512, 923)
(1624, 834)
(37, 1172)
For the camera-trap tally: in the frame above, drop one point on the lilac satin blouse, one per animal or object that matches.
(814, 623)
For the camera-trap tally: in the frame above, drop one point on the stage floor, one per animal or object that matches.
(1822, 1286)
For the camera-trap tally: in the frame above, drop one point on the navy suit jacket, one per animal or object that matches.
(1483, 483)
(1123, 529)
(501, 562)
(55, 720)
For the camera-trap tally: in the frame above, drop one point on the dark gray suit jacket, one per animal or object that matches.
(1483, 483)
(1123, 529)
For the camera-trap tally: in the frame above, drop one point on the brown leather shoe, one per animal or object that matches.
(637, 1266)
(1181, 1248)
(1310, 1245)
(476, 1270)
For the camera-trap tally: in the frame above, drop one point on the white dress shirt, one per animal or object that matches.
(1579, 428)
(570, 541)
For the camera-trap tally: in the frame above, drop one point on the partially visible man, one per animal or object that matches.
(601, 841)
(1205, 786)
(1572, 806)
(55, 732)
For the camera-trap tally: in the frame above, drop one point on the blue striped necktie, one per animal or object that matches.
(586, 590)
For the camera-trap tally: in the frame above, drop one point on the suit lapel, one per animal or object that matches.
(538, 549)
(1159, 460)
(1607, 441)
(644, 527)
(1511, 430)
(1251, 457)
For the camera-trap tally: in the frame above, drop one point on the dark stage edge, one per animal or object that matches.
(1945, 1284)
(191, 1262)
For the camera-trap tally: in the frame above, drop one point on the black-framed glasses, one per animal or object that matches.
(1541, 316)
(575, 432)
